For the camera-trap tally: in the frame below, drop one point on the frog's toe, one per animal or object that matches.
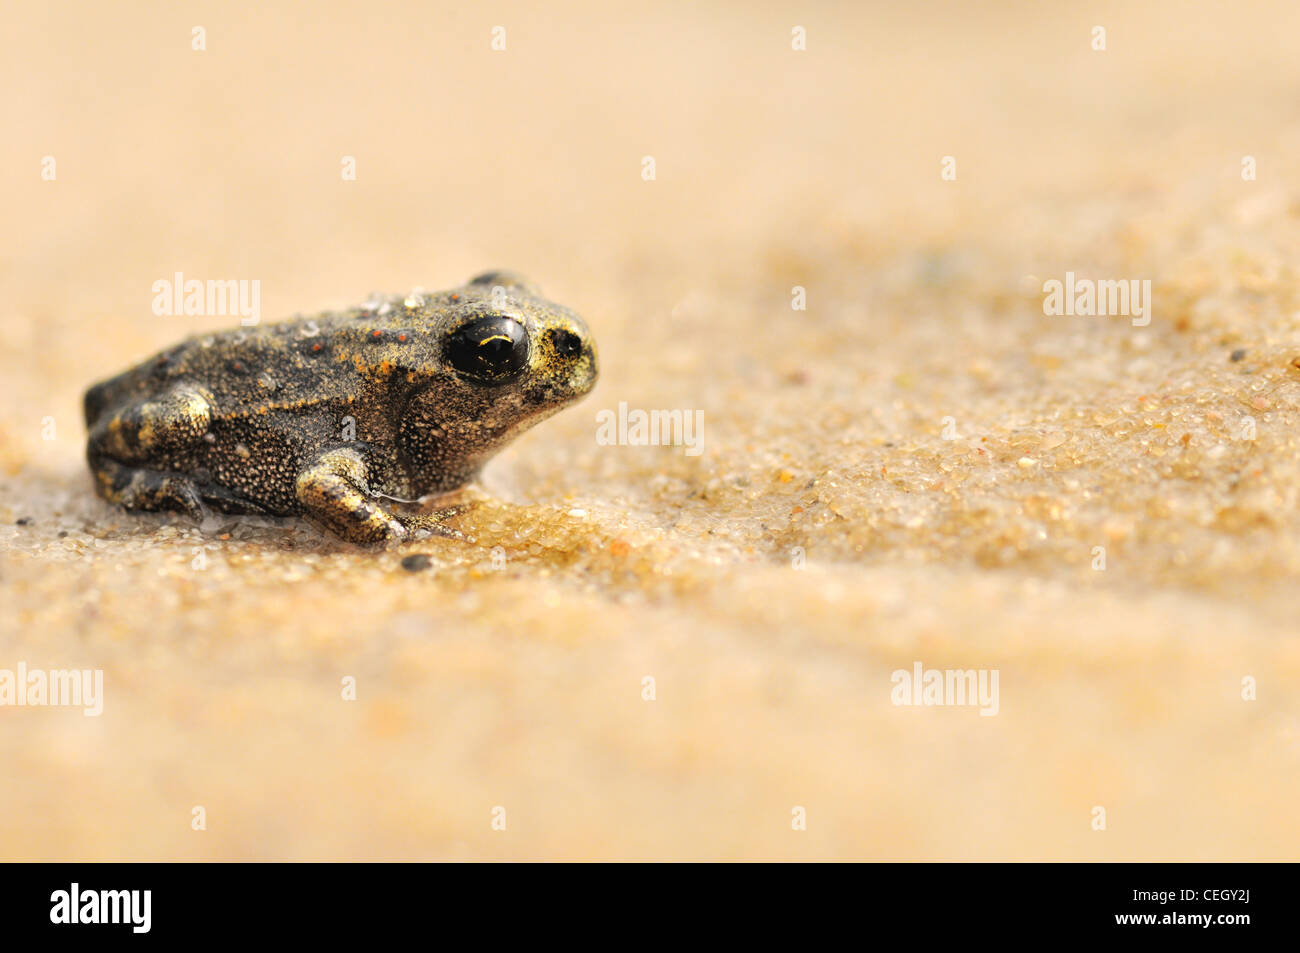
(424, 525)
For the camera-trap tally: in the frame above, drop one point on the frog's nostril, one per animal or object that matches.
(567, 344)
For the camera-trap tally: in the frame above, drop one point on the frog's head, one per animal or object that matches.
(508, 359)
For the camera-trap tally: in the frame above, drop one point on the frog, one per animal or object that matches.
(350, 419)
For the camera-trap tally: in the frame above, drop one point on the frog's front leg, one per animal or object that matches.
(334, 490)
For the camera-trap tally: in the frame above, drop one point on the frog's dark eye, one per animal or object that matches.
(492, 350)
(567, 344)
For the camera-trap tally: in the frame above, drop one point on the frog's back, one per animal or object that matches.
(283, 366)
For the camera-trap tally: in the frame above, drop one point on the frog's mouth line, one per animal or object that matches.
(558, 397)
(564, 390)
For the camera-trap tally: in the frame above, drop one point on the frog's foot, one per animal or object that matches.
(333, 491)
(138, 488)
(433, 523)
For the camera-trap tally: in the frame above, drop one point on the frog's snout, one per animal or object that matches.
(583, 378)
(572, 358)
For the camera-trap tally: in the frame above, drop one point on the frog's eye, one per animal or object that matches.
(492, 350)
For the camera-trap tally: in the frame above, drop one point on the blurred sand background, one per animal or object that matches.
(824, 431)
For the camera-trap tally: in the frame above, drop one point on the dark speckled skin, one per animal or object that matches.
(333, 417)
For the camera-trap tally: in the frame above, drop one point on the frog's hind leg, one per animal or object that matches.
(137, 488)
(149, 430)
(124, 451)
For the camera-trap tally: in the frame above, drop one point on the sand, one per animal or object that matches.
(920, 466)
